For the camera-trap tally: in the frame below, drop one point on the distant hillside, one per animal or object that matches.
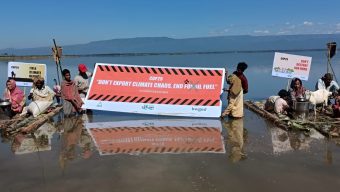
(205, 44)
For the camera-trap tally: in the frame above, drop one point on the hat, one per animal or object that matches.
(328, 76)
(82, 68)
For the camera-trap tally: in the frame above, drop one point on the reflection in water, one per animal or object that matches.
(74, 136)
(40, 140)
(284, 141)
(235, 138)
(157, 136)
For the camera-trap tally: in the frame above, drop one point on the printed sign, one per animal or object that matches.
(156, 90)
(23, 73)
(157, 136)
(290, 66)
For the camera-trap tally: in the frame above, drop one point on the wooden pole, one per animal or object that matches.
(289, 82)
(329, 64)
(59, 56)
(57, 61)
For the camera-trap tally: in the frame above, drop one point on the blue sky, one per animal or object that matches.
(34, 23)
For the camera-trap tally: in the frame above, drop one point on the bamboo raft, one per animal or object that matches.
(27, 124)
(328, 126)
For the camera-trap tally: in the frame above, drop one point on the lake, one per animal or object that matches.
(179, 154)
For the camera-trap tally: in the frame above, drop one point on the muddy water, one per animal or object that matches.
(67, 155)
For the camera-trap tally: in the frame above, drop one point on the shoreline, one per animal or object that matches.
(32, 57)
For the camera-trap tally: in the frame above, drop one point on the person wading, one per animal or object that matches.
(69, 93)
(235, 98)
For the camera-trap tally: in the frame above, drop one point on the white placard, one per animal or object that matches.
(290, 66)
(23, 73)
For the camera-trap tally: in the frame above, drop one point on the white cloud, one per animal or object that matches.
(308, 23)
(261, 31)
(226, 30)
(287, 23)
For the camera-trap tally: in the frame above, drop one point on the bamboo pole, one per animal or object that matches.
(57, 61)
(40, 121)
(5, 123)
(281, 124)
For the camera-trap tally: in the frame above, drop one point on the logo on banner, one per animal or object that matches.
(148, 107)
(199, 109)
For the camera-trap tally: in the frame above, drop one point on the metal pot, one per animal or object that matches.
(302, 106)
(301, 99)
(5, 103)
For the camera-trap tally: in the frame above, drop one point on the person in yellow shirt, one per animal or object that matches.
(235, 98)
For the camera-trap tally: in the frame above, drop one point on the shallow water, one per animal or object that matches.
(66, 155)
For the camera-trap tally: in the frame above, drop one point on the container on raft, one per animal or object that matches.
(5, 103)
(301, 110)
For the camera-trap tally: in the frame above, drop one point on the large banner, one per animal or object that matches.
(157, 136)
(23, 73)
(290, 66)
(156, 90)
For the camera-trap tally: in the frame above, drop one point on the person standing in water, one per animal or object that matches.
(241, 67)
(57, 91)
(235, 98)
(82, 80)
(69, 93)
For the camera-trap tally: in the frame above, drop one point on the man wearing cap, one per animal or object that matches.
(82, 80)
(327, 82)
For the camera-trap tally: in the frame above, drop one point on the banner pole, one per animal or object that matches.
(329, 64)
(288, 84)
(57, 60)
(55, 45)
(328, 60)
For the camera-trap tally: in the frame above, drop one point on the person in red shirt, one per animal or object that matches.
(241, 67)
(69, 92)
